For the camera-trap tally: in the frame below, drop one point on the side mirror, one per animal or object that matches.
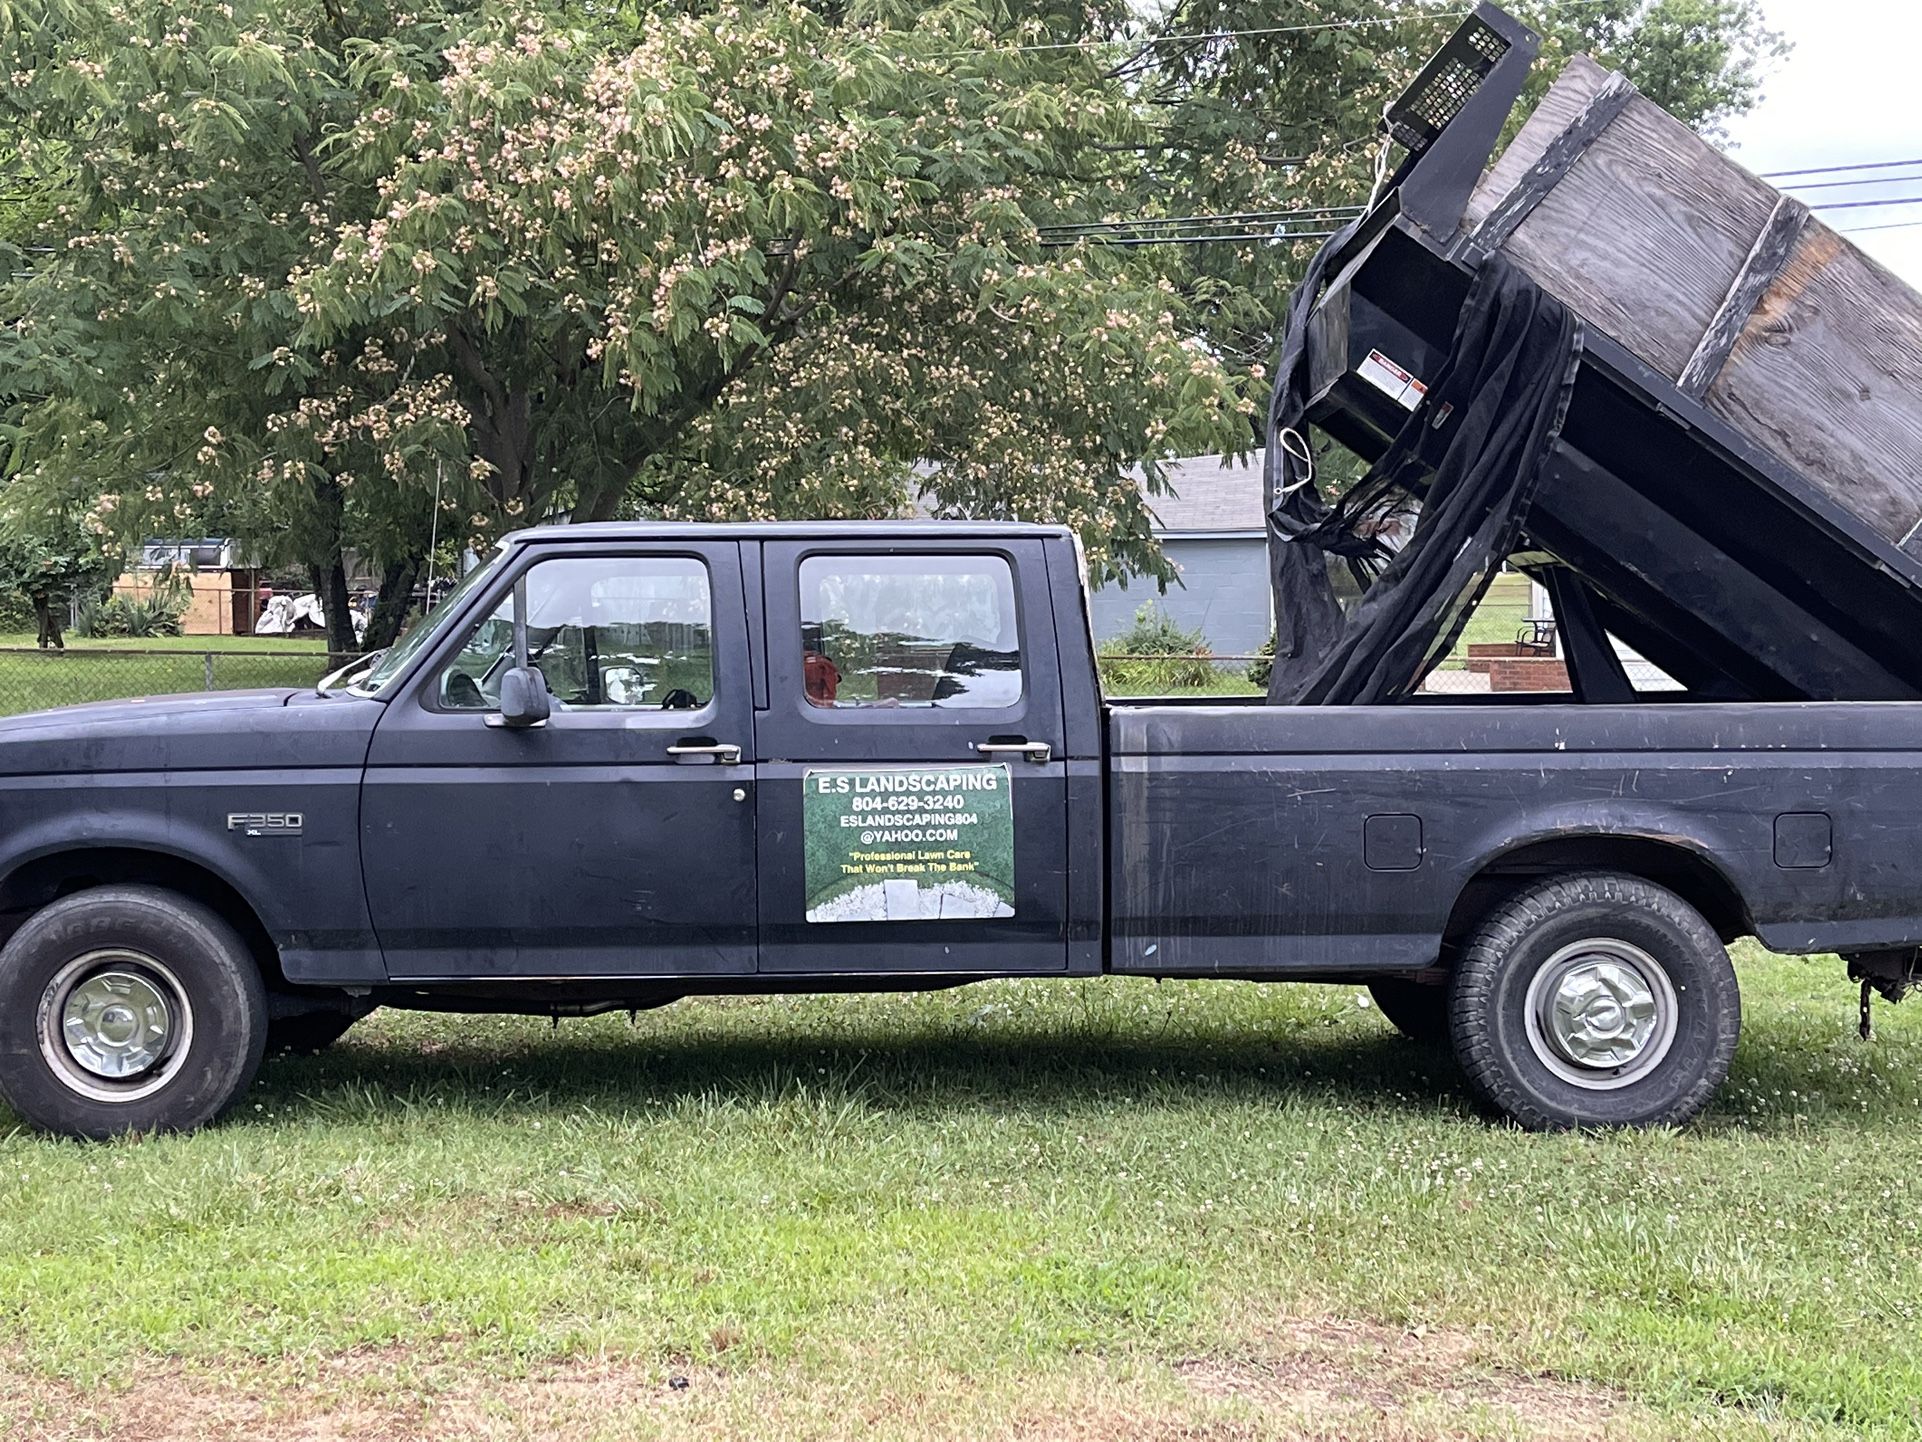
(524, 702)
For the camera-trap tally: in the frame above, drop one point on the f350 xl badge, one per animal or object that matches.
(265, 823)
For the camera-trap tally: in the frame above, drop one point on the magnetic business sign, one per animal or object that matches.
(908, 843)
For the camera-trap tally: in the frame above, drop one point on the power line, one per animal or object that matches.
(1249, 226)
(1414, 17)
(1866, 204)
(1314, 222)
(1304, 212)
(1253, 237)
(1865, 180)
(1838, 169)
(1208, 35)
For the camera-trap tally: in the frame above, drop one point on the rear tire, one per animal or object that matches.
(1418, 1012)
(127, 1009)
(1595, 1000)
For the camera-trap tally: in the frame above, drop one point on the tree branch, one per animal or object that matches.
(305, 154)
(600, 502)
(473, 365)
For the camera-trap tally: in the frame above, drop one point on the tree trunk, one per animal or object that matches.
(391, 603)
(330, 584)
(599, 502)
(49, 618)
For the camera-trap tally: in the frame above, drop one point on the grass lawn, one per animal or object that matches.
(1041, 1210)
(1501, 615)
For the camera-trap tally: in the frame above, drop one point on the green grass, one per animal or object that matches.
(998, 1209)
(1501, 616)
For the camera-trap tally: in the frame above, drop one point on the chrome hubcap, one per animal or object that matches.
(115, 1025)
(1601, 1013)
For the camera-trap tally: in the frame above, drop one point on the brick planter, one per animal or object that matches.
(1481, 653)
(1526, 673)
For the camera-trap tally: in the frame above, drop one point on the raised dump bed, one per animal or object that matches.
(1736, 491)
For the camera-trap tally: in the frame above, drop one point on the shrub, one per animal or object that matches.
(16, 612)
(1263, 666)
(1155, 633)
(133, 616)
(1155, 654)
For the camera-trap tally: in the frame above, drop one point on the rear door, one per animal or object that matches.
(912, 793)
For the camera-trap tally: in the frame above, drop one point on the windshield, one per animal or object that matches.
(402, 651)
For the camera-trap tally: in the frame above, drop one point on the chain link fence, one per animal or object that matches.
(1135, 677)
(1125, 676)
(33, 680)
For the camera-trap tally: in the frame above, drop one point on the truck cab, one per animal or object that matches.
(710, 699)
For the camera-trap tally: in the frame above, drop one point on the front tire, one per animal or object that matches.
(1595, 1000)
(127, 1009)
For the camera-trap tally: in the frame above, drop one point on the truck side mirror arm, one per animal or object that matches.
(524, 700)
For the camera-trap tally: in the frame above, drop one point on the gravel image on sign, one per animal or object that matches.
(909, 843)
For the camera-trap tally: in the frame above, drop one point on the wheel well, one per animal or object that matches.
(48, 878)
(1679, 869)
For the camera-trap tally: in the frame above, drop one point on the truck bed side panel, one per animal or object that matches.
(1251, 840)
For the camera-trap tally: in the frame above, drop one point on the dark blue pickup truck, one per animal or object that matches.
(619, 765)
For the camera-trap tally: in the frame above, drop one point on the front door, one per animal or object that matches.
(913, 792)
(616, 839)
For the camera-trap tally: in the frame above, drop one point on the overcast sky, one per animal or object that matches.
(1849, 92)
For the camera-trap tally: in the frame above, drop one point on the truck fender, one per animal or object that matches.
(195, 846)
(1653, 842)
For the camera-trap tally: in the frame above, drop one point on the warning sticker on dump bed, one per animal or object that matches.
(911, 843)
(1391, 380)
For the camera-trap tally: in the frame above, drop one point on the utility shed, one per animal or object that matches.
(1212, 528)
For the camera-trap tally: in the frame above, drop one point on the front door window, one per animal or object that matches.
(607, 632)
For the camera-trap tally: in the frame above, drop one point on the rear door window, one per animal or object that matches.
(929, 631)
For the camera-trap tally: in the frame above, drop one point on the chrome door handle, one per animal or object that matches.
(722, 752)
(1033, 750)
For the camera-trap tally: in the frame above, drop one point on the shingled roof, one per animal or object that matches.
(1208, 496)
(1211, 494)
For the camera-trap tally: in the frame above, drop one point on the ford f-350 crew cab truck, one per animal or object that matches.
(623, 764)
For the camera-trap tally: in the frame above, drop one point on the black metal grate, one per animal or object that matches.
(1444, 85)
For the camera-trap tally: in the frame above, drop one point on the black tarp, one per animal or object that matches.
(1471, 453)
